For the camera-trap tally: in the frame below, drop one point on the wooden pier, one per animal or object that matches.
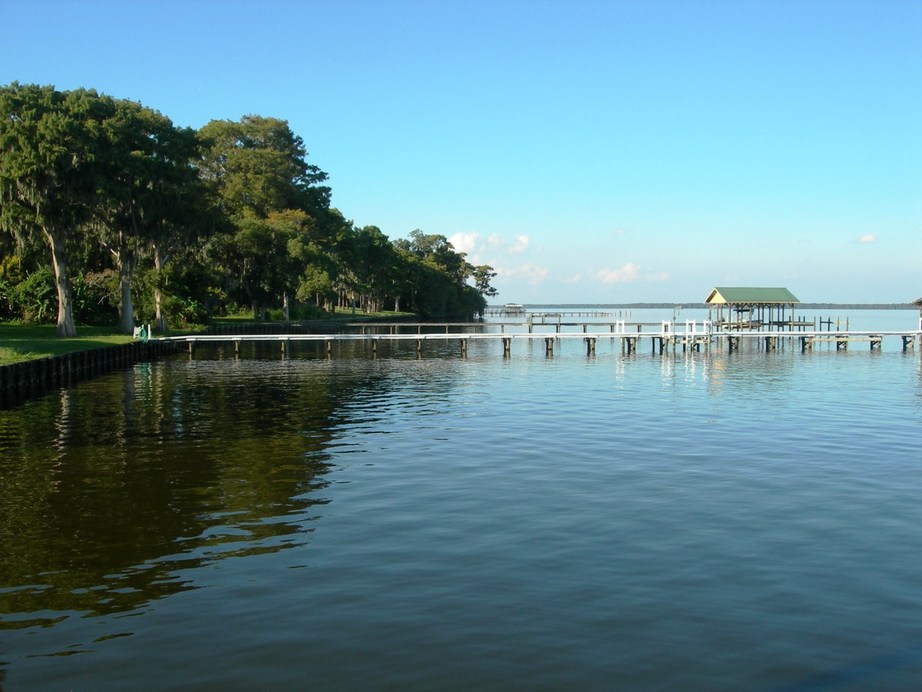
(663, 340)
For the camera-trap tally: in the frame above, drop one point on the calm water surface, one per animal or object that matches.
(712, 521)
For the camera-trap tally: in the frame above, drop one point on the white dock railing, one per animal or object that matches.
(668, 337)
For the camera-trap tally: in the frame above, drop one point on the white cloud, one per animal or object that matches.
(867, 238)
(575, 279)
(472, 244)
(465, 242)
(629, 273)
(625, 275)
(520, 245)
(530, 272)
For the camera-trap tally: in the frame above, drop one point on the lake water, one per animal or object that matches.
(745, 520)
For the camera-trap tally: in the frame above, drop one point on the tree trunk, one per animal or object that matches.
(125, 259)
(66, 325)
(159, 317)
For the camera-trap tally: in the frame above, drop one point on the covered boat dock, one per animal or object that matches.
(752, 308)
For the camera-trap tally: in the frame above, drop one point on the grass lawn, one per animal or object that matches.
(19, 342)
(344, 314)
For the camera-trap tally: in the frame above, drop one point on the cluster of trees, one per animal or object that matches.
(114, 213)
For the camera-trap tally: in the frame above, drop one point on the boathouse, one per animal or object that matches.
(752, 308)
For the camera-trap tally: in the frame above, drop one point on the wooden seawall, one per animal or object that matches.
(22, 381)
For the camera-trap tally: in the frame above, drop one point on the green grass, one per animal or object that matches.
(344, 314)
(20, 342)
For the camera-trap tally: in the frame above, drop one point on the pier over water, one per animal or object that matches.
(662, 338)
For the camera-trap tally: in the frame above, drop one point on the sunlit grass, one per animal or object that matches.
(20, 342)
(341, 314)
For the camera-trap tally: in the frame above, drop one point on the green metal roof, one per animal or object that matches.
(750, 295)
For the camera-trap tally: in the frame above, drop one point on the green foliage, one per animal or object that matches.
(258, 166)
(34, 297)
(188, 312)
(96, 297)
(306, 311)
(146, 220)
(10, 276)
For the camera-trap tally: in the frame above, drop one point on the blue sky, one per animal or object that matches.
(589, 151)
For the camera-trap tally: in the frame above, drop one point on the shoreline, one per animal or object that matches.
(704, 306)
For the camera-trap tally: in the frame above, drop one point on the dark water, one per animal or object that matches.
(703, 521)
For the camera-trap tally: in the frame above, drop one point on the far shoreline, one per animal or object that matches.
(704, 306)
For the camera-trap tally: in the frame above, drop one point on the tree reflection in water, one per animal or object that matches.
(113, 489)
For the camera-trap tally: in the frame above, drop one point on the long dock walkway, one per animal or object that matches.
(667, 337)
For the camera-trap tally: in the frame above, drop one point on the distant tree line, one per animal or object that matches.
(113, 214)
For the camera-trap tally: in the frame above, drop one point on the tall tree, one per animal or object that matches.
(439, 277)
(148, 175)
(48, 151)
(259, 166)
(259, 170)
(483, 275)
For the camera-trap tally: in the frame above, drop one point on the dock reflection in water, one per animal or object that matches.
(712, 521)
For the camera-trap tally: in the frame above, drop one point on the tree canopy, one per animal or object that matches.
(141, 219)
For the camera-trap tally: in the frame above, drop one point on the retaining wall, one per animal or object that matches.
(31, 378)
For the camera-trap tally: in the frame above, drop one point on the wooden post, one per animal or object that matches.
(463, 347)
(329, 348)
(549, 346)
(419, 346)
(590, 346)
(507, 347)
